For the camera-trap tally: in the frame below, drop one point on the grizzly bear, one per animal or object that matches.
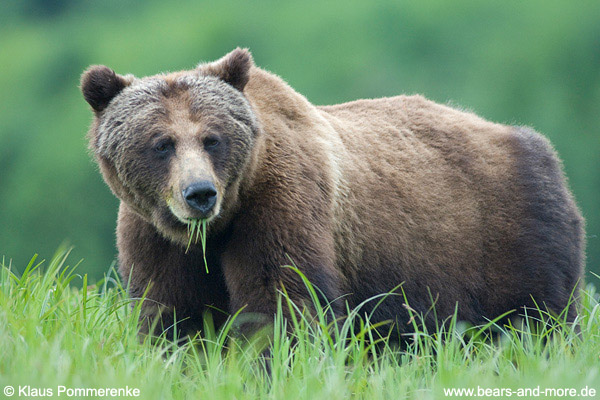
(449, 210)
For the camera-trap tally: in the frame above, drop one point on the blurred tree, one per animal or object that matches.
(531, 63)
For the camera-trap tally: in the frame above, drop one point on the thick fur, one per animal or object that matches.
(362, 197)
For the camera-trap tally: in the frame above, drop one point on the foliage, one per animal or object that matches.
(57, 330)
(532, 63)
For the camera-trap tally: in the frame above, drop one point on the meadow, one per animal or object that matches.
(61, 336)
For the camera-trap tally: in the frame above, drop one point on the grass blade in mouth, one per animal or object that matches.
(197, 230)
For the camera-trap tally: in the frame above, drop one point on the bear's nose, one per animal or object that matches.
(201, 196)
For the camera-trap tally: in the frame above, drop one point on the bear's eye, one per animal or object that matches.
(163, 147)
(211, 142)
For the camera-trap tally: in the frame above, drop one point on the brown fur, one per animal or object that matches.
(362, 196)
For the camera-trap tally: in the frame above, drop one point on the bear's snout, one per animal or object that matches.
(201, 196)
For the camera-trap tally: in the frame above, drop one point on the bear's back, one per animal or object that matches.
(450, 195)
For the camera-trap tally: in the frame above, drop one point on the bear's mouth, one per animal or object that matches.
(174, 219)
(184, 221)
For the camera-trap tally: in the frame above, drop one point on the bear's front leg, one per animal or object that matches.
(177, 288)
(255, 273)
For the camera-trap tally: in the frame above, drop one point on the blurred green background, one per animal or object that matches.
(534, 63)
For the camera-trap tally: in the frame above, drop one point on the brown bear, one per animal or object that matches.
(363, 197)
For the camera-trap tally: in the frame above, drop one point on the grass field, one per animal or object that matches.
(59, 334)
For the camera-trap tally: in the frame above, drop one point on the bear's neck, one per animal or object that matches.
(274, 101)
(279, 109)
(285, 118)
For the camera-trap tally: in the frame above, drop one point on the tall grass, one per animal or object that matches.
(197, 230)
(57, 330)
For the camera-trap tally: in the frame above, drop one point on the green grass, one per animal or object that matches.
(57, 330)
(197, 230)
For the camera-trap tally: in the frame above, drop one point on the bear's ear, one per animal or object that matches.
(100, 84)
(233, 68)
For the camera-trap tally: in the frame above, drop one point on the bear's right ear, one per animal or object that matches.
(100, 84)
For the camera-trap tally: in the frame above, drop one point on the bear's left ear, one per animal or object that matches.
(233, 68)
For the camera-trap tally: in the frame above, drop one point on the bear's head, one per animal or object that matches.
(174, 147)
